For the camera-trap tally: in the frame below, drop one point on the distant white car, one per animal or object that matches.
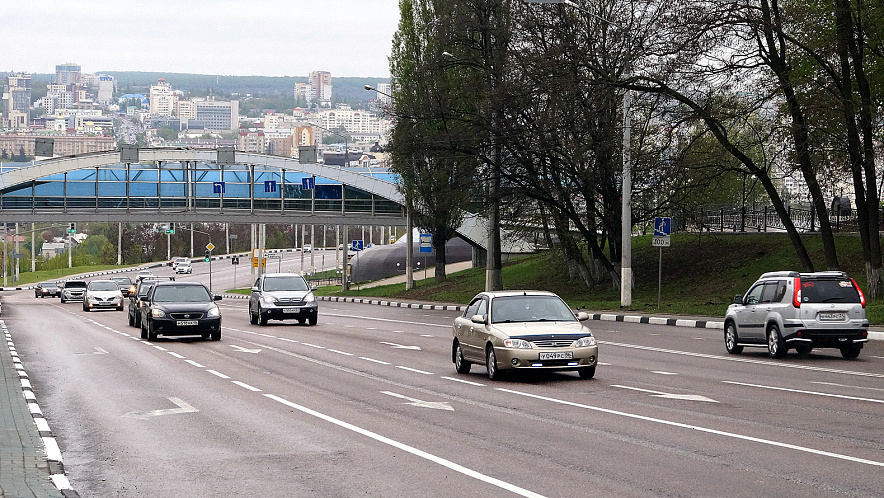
(178, 261)
(183, 267)
(308, 248)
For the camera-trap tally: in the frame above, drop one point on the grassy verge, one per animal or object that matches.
(28, 278)
(700, 275)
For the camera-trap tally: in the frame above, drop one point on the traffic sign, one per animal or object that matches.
(210, 246)
(357, 245)
(662, 227)
(234, 260)
(274, 255)
(426, 242)
(661, 241)
(307, 183)
(218, 187)
(270, 186)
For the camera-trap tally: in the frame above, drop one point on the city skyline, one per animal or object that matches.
(101, 35)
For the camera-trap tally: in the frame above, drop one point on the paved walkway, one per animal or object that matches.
(30, 461)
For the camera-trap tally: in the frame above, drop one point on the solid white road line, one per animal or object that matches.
(744, 360)
(870, 400)
(698, 428)
(409, 449)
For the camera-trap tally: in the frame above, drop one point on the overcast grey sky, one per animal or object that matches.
(226, 37)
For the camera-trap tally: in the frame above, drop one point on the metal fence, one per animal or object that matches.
(730, 219)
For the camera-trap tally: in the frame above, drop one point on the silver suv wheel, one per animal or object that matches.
(731, 340)
(775, 345)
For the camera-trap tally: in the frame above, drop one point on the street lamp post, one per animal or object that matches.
(344, 283)
(626, 207)
(409, 235)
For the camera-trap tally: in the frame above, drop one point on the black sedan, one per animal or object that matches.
(179, 309)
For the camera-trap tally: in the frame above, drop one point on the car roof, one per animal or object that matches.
(510, 293)
(818, 274)
(282, 274)
(180, 284)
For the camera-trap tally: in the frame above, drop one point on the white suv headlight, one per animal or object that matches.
(269, 299)
(309, 298)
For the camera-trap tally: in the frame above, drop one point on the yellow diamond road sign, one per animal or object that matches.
(210, 246)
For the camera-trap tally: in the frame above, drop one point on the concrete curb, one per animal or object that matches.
(54, 460)
(611, 317)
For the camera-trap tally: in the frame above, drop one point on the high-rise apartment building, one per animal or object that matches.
(67, 74)
(19, 93)
(162, 101)
(321, 81)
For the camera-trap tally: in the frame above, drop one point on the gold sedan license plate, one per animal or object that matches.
(185, 323)
(567, 355)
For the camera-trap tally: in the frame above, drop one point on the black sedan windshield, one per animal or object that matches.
(181, 294)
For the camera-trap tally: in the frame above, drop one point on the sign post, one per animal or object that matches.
(426, 246)
(662, 233)
(209, 248)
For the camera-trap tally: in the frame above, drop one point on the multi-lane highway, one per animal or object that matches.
(367, 403)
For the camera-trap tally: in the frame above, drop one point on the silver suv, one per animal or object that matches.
(788, 309)
(282, 296)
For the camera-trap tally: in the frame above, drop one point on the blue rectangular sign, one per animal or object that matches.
(357, 245)
(218, 187)
(307, 183)
(426, 242)
(270, 186)
(662, 227)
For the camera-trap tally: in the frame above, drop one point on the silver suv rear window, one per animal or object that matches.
(828, 290)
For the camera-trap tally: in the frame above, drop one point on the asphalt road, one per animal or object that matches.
(367, 403)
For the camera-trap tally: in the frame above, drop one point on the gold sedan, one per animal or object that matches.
(523, 330)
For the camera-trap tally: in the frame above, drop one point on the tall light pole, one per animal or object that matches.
(409, 235)
(344, 283)
(626, 207)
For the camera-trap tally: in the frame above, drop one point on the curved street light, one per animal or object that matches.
(409, 236)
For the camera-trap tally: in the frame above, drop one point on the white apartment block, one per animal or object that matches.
(356, 122)
(305, 90)
(162, 100)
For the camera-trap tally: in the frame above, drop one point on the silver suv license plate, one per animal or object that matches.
(832, 317)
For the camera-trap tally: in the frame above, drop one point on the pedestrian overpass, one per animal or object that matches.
(183, 185)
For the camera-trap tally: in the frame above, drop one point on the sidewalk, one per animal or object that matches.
(30, 461)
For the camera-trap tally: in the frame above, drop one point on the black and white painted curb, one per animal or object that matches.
(610, 317)
(53, 453)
